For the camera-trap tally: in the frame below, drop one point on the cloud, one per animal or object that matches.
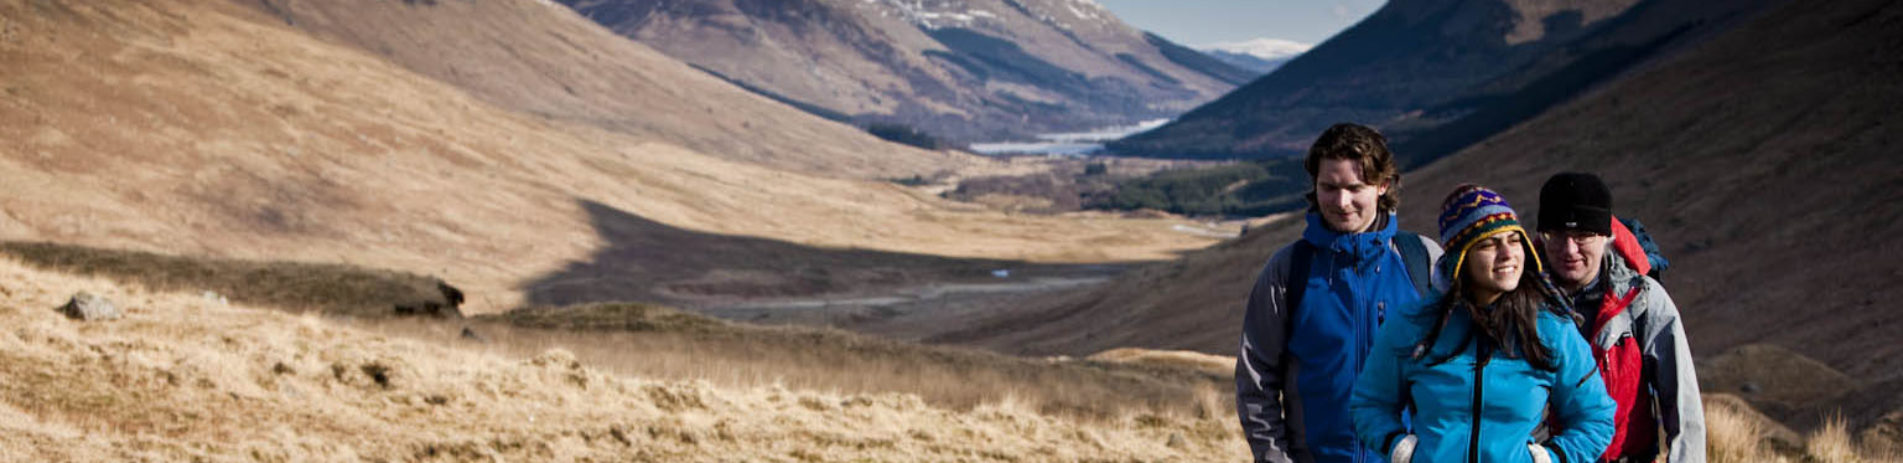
(1343, 12)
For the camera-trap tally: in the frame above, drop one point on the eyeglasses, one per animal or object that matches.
(1579, 237)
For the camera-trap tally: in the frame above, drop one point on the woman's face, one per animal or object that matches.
(1493, 266)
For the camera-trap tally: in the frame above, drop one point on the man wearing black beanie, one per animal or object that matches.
(1631, 322)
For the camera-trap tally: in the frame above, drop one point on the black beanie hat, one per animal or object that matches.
(1575, 201)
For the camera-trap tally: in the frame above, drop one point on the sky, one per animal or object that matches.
(1199, 23)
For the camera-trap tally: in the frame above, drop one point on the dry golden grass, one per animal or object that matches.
(1217, 365)
(1831, 443)
(184, 378)
(659, 342)
(1738, 434)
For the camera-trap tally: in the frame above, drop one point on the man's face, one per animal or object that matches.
(1575, 256)
(1347, 202)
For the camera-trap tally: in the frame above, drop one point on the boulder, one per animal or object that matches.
(87, 307)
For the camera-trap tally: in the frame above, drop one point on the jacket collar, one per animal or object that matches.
(1626, 263)
(1363, 247)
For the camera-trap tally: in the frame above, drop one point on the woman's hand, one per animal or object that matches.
(1404, 449)
(1540, 454)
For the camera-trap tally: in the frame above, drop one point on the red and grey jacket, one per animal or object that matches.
(1645, 360)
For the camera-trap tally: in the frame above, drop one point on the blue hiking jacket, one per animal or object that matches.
(1480, 411)
(1296, 367)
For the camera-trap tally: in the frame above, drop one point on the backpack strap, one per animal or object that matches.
(1414, 254)
(1295, 281)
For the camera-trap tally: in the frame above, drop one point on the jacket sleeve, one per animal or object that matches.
(1582, 410)
(1380, 394)
(1674, 382)
(1261, 364)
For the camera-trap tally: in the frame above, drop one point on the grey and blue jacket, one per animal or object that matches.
(1297, 365)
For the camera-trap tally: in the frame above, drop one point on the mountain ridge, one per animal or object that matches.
(1479, 64)
(970, 70)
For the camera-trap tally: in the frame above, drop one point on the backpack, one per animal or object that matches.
(1413, 254)
(1652, 252)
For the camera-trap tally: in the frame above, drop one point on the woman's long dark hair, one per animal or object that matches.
(1512, 324)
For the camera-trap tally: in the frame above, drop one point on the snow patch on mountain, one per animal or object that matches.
(1087, 10)
(1265, 48)
(932, 14)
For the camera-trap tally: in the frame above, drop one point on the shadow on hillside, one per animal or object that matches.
(645, 260)
(332, 289)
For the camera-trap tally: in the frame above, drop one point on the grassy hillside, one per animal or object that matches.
(541, 59)
(672, 344)
(184, 378)
(211, 128)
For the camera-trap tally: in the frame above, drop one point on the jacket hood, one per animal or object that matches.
(1625, 260)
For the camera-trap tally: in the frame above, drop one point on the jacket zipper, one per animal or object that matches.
(1480, 366)
(1362, 334)
(1359, 320)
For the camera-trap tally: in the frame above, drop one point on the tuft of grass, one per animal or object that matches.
(1832, 443)
(1736, 433)
(332, 289)
(1733, 437)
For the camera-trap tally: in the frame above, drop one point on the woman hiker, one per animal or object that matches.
(1474, 366)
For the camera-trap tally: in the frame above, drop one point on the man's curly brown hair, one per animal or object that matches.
(1365, 147)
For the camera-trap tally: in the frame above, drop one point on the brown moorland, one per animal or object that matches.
(210, 128)
(181, 377)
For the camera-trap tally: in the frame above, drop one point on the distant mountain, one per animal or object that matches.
(968, 70)
(1262, 55)
(1250, 62)
(1762, 160)
(1417, 66)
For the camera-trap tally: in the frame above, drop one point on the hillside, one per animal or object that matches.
(549, 62)
(181, 377)
(1439, 75)
(210, 128)
(1760, 160)
(970, 70)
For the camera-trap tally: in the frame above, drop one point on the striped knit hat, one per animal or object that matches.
(1473, 213)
